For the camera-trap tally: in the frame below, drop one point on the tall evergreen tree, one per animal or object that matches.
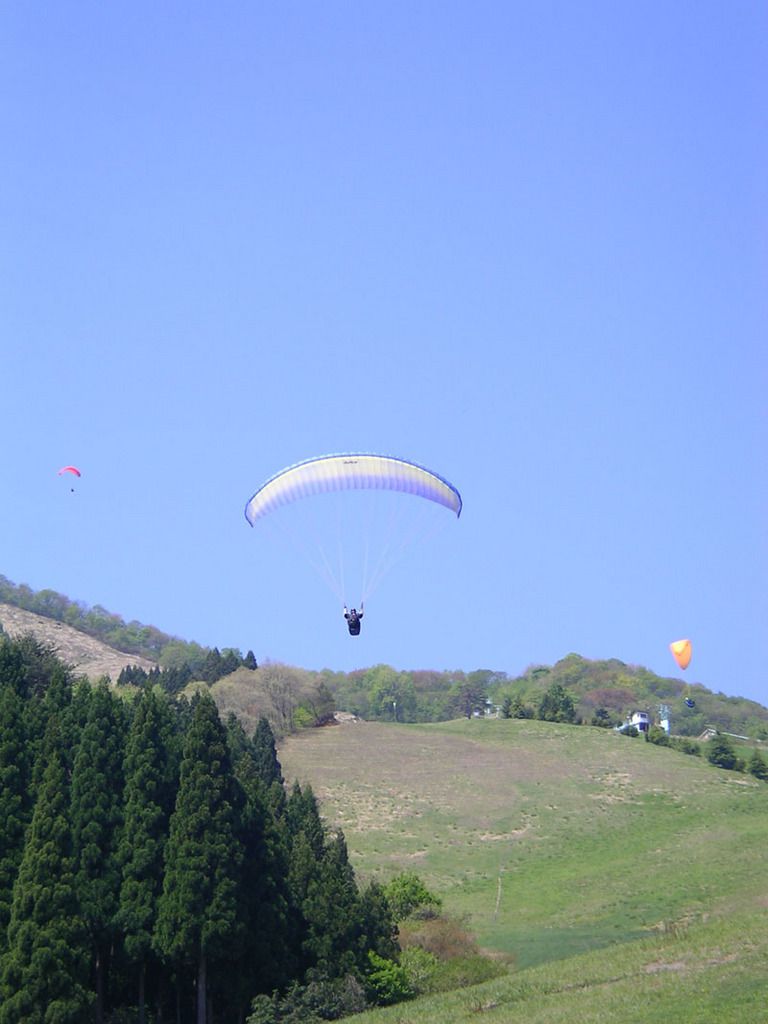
(237, 740)
(12, 668)
(53, 704)
(15, 803)
(332, 912)
(212, 666)
(148, 801)
(197, 914)
(378, 927)
(231, 661)
(41, 665)
(97, 784)
(264, 960)
(305, 840)
(302, 815)
(265, 753)
(45, 966)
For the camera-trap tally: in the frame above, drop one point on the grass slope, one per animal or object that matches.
(708, 973)
(87, 655)
(558, 843)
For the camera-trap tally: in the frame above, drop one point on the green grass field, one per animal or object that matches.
(573, 851)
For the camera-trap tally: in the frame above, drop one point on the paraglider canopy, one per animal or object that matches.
(352, 471)
(354, 514)
(681, 652)
(70, 469)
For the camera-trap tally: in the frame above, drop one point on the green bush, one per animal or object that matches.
(721, 753)
(658, 736)
(320, 1000)
(406, 893)
(685, 746)
(387, 981)
(462, 971)
(757, 766)
(419, 965)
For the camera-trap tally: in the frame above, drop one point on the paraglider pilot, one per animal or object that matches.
(353, 620)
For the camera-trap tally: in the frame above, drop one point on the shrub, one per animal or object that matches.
(320, 1000)
(387, 981)
(406, 893)
(263, 1011)
(658, 736)
(629, 730)
(464, 971)
(685, 746)
(722, 755)
(602, 718)
(756, 766)
(444, 937)
(419, 965)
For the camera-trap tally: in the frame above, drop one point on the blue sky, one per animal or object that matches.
(521, 243)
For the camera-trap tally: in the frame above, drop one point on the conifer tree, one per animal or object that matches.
(378, 927)
(15, 803)
(41, 665)
(264, 957)
(237, 740)
(148, 801)
(265, 753)
(52, 705)
(45, 965)
(231, 661)
(332, 912)
(212, 666)
(303, 816)
(97, 784)
(12, 671)
(722, 754)
(197, 914)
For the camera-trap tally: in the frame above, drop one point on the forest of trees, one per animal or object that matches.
(602, 691)
(598, 692)
(153, 865)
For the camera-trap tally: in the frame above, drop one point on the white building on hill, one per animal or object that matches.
(641, 720)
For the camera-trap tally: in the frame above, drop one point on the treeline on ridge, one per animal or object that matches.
(606, 689)
(129, 637)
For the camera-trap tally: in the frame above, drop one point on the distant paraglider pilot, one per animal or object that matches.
(353, 620)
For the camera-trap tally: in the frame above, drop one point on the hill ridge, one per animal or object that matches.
(87, 655)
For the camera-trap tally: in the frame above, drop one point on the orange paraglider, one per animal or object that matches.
(681, 652)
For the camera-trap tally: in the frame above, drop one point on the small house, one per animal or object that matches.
(641, 720)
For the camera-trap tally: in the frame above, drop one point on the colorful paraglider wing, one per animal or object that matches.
(351, 471)
(70, 469)
(681, 652)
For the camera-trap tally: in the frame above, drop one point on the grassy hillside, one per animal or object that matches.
(88, 656)
(711, 972)
(555, 841)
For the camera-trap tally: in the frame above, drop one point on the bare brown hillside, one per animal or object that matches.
(89, 656)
